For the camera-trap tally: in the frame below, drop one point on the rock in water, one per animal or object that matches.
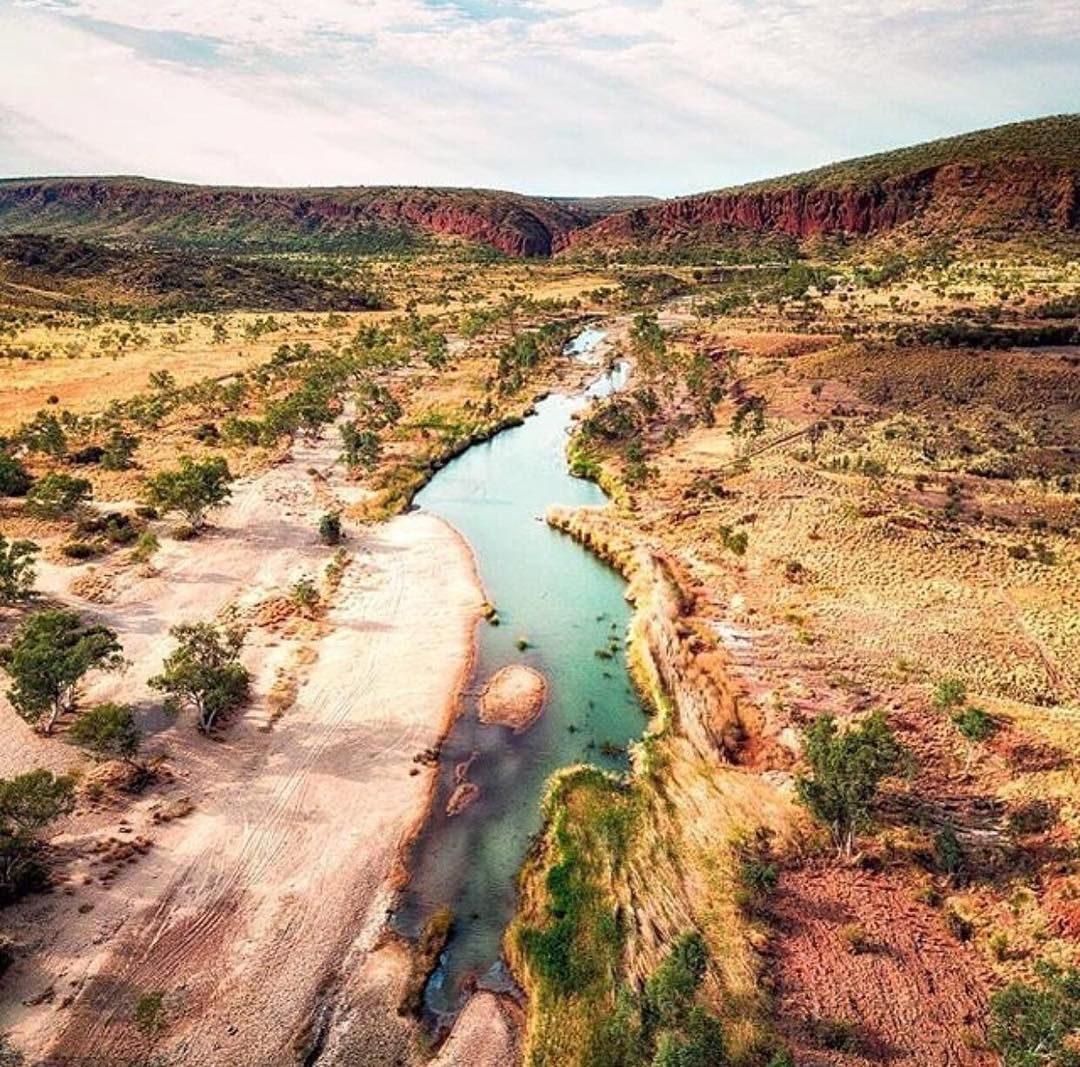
(513, 697)
(463, 795)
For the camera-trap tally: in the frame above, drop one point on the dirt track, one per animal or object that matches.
(244, 911)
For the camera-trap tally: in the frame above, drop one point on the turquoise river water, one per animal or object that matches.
(553, 593)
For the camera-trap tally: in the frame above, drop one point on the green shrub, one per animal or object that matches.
(108, 731)
(949, 693)
(701, 1044)
(57, 495)
(15, 479)
(16, 569)
(618, 1041)
(44, 434)
(975, 724)
(119, 450)
(81, 549)
(330, 528)
(204, 671)
(781, 1058)
(757, 874)
(145, 547)
(150, 1014)
(669, 993)
(1038, 1025)
(193, 488)
(304, 594)
(119, 529)
(360, 448)
(237, 431)
(735, 541)
(28, 803)
(948, 852)
(847, 768)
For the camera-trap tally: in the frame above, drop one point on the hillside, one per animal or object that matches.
(40, 270)
(1024, 177)
(355, 219)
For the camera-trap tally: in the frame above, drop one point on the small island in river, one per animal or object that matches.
(514, 697)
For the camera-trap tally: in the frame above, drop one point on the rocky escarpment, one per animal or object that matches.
(1010, 180)
(137, 209)
(961, 199)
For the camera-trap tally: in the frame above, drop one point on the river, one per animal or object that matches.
(570, 609)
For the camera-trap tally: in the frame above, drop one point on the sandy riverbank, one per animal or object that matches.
(244, 911)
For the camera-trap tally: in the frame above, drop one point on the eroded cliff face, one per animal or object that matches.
(684, 673)
(133, 208)
(958, 198)
(686, 811)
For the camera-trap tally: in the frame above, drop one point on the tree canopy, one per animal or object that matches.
(15, 479)
(108, 731)
(16, 569)
(204, 671)
(57, 495)
(1038, 1025)
(48, 657)
(28, 803)
(847, 767)
(193, 488)
(360, 448)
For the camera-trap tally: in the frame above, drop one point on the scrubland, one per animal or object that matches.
(840, 485)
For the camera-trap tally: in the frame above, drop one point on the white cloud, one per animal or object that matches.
(545, 95)
(283, 25)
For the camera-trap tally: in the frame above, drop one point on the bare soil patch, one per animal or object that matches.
(861, 965)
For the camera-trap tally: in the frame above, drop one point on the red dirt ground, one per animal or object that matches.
(924, 991)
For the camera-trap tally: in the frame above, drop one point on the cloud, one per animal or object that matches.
(278, 25)
(586, 96)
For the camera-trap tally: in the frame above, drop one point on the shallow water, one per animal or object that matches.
(551, 592)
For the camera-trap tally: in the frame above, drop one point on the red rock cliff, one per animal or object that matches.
(955, 198)
(140, 209)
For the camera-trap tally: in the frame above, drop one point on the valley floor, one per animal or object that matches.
(819, 512)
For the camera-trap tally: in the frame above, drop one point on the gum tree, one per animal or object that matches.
(16, 569)
(847, 767)
(192, 489)
(28, 803)
(57, 496)
(48, 657)
(204, 672)
(108, 732)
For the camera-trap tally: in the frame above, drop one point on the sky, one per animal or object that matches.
(559, 97)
